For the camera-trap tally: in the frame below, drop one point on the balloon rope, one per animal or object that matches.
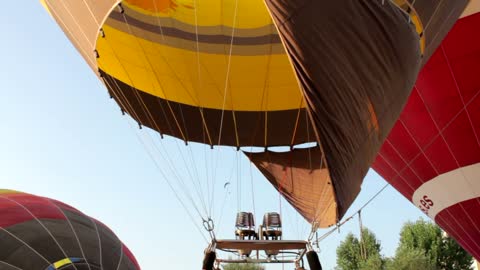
(91, 13)
(227, 79)
(172, 188)
(321, 238)
(264, 100)
(226, 188)
(100, 255)
(433, 16)
(149, 114)
(363, 251)
(70, 35)
(227, 75)
(204, 122)
(151, 118)
(73, 231)
(297, 121)
(239, 185)
(166, 157)
(150, 154)
(25, 244)
(10, 265)
(457, 87)
(147, 61)
(252, 188)
(121, 257)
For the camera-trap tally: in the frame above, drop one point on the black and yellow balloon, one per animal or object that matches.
(266, 73)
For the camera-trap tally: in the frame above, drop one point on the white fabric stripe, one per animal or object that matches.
(448, 189)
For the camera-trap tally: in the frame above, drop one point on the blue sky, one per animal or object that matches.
(61, 136)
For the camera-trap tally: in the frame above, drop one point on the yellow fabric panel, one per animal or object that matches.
(407, 7)
(256, 83)
(44, 4)
(8, 191)
(62, 263)
(249, 13)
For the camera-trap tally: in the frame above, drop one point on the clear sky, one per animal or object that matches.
(62, 137)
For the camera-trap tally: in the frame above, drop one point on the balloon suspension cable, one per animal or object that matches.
(363, 249)
(209, 226)
(358, 212)
(313, 231)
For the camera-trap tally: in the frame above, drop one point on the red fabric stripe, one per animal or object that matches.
(12, 213)
(400, 134)
(474, 111)
(130, 256)
(415, 117)
(462, 141)
(439, 155)
(423, 167)
(433, 80)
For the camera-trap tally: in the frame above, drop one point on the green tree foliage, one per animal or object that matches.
(424, 236)
(454, 257)
(360, 254)
(442, 251)
(423, 246)
(410, 259)
(243, 266)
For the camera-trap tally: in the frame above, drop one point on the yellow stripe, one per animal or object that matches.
(44, 4)
(62, 263)
(172, 73)
(405, 5)
(8, 191)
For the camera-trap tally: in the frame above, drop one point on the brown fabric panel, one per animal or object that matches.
(348, 54)
(169, 118)
(204, 29)
(437, 17)
(304, 181)
(166, 31)
(214, 44)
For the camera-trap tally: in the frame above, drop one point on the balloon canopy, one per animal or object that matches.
(266, 73)
(432, 155)
(45, 234)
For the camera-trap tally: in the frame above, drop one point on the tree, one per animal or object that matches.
(424, 236)
(363, 254)
(243, 266)
(410, 259)
(442, 251)
(453, 256)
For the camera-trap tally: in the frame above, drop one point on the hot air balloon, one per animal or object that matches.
(41, 233)
(324, 81)
(432, 155)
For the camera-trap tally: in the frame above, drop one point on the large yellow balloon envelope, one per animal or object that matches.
(266, 73)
